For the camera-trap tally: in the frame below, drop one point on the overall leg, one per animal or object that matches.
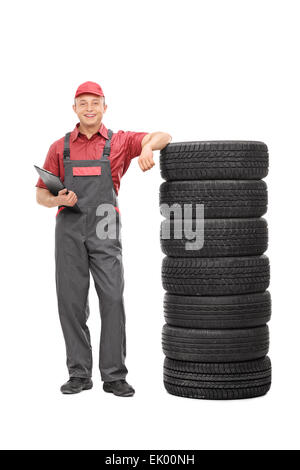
(107, 270)
(72, 285)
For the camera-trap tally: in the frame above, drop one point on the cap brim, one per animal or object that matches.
(88, 92)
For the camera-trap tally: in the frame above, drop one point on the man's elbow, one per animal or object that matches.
(166, 138)
(169, 138)
(158, 140)
(40, 196)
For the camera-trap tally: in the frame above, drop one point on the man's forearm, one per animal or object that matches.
(45, 198)
(64, 198)
(153, 141)
(156, 140)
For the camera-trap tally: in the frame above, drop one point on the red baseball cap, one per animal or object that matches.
(89, 87)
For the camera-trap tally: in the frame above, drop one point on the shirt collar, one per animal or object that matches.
(102, 131)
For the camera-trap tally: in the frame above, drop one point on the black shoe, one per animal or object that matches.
(76, 385)
(119, 387)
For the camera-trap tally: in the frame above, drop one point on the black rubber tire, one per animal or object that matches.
(221, 199)
(214, 160)
(199, 345)
(215, 276)
(221, 381)
(222, 237)
(230, 311)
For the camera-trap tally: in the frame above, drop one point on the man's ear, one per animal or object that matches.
(74, 108)
(105, 108)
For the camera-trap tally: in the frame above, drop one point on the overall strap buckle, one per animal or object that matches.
(106, 150)
(67, 146)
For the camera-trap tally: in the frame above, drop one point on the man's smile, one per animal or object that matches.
(90, 115)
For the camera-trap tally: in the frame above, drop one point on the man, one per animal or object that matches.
(91, 161)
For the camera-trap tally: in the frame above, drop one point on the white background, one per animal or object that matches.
(199, 70)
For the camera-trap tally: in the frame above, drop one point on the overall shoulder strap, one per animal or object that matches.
(106, 150)
(67, 146)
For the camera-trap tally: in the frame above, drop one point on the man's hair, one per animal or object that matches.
(100, 97)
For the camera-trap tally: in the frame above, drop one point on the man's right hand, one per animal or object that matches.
(64, 199)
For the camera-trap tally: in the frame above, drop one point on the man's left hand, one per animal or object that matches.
(145, 160)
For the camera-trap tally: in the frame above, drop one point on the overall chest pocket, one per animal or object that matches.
(87, 183)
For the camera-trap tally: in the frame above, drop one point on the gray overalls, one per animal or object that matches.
(79, 250)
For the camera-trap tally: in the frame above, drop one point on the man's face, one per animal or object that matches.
(89, 109)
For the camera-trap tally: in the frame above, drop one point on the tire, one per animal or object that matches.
(215, 276)
(223, 312)
(221, 199)
(222, 237)
(219, 381)
(199, 345)
(214, 160)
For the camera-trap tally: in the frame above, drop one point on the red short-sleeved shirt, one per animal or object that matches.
(125, 145)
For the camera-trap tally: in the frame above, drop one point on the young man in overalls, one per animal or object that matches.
(90, 161)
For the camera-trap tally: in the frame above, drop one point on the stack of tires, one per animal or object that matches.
(216, 305)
